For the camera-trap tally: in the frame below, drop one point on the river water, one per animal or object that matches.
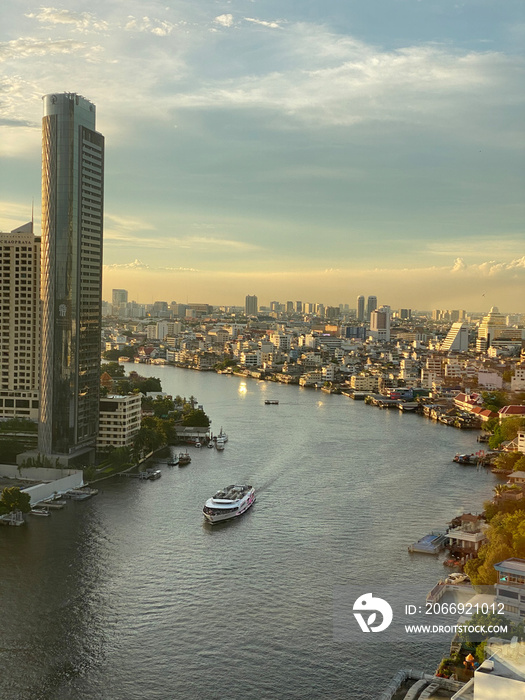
(131, 595)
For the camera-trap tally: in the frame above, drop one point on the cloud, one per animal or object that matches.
(27, 47)
(491, 268)
(155, 26)
(79, 22)
(263, 23)
(135, 265)
(459, 265)
(224, 20)
(139, 266)
(325, 80)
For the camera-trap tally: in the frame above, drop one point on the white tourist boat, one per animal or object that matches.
(229, 503)
(219, 443)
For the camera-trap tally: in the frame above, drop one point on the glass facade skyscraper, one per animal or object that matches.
(71, 269)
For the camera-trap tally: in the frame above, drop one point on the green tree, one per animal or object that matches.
(163, 406)
(113, 355)
(505, 539)
(472, 639)
(507, 460)
(196, 418)
(113, 369)
(494, 400)
(506, 430)
(13, 499)
(519, 466)
(18, 425)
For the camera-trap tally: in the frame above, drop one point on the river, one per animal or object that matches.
(131, 595)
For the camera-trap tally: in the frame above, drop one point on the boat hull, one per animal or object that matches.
(219, 518)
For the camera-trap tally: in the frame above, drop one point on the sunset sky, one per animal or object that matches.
(292, 150)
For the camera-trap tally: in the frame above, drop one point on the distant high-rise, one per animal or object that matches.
(490, 328)
(251, 305)
(71, 277)
(380, 323)
(371, 305)
(118, 297)
(360, 308)
(457, 338)
(20, 323)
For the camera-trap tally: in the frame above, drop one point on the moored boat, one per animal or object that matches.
(271, 402)
(184, 459)
(229, 502)
(40, 511)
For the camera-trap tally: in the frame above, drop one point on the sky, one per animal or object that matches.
(293, 150)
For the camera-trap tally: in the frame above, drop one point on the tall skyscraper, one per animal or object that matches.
(19, 323)
(250, 306)
(71, 277)
(360, 308)
(371, 305)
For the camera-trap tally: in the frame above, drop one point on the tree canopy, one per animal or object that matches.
(13, 499)
(506, 430)
(196, 418)
(506, 538)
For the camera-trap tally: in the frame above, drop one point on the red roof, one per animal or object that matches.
(512, 411)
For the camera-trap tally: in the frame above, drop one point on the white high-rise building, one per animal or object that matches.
(457, 339)
(490, 329)
(20, 323)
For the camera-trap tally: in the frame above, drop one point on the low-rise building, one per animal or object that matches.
(119, 420)
(510, 587)
(467, 538)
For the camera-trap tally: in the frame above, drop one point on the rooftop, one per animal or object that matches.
(512, 565)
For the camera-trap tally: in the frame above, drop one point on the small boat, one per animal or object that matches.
(154, 474)
(466, 459)
(198, 444)
(229, 503)
(219, 443)
(40, 511)
(184, 459)
(210, 445)
(271, 402)
(222, 435)
(173, 462)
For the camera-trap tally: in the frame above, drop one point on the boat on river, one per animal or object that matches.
(173, 461)
(40, 511)
(271, 402)
(228, 503)
(184, 459)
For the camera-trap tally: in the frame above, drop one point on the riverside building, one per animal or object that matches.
(20, 323)
(71, 279)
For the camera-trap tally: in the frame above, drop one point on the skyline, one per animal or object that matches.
(261, 148)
